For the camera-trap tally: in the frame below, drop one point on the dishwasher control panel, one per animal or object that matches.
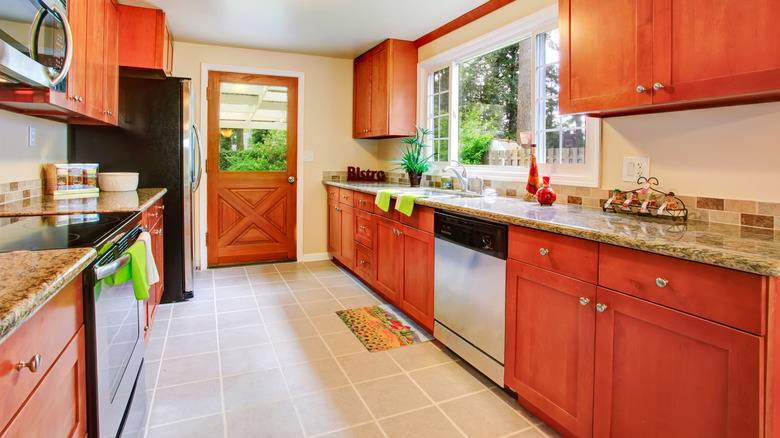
(481, 235)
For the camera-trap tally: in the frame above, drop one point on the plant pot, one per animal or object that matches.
(414, 179)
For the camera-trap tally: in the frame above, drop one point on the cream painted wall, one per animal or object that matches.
(18, 162)
(327, 123)
(729, 152)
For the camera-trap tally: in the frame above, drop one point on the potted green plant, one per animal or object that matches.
(412, 160)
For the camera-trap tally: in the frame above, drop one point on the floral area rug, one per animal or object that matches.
(382, 327)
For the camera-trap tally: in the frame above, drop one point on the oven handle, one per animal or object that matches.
(112, 268)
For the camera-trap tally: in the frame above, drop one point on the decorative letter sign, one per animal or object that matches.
(355, 174)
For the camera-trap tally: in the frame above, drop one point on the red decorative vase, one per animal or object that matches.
(546, 195)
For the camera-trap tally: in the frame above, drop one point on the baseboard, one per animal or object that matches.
(314, 257)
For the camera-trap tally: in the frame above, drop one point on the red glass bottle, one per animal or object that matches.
(546, 195)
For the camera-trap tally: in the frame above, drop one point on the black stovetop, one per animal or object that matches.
(59, 231)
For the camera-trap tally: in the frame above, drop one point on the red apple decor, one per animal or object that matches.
(546, 195)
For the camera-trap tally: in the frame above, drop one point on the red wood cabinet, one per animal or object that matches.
(347, 217)
(334, 228)
(388, 247)
(416, 298)
(660, 372)
(549, 345)
(78, 16)
(145, 40)
(111, 64)
(152, 220)
(385, 81)
(666, 54)
(341, 227)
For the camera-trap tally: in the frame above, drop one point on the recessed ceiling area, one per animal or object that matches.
(334, 28)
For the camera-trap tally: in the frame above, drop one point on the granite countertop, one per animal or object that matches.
(107, 202)
(745, 249)
(31, 278)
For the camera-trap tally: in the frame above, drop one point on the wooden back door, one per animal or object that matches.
(252, 162)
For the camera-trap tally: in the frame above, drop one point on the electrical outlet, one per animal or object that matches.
(308, 156)
(31, 141)
(635, 167)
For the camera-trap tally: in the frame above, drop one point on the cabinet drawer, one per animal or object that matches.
(364, 229)
(421, 218)
(734, 298)
(363, 201)
(570, 256)
(46, 333)
(364, 263)
(345, 196)
(333, 192)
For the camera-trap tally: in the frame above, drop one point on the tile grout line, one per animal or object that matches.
(219, 360)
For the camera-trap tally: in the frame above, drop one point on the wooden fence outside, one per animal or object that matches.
(522, 157)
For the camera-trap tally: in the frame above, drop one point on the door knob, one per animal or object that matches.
(641, 89)
(291, 179)
(33, 364)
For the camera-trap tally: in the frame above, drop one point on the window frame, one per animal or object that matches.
(585, 175)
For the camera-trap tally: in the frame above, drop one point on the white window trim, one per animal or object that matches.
(567, 174)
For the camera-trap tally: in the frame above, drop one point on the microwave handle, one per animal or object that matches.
(112, 268)
(36, 27)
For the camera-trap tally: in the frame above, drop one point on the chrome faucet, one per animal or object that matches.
(463, 177)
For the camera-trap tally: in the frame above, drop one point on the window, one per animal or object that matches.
(484, 102)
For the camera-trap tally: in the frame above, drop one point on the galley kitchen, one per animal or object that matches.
(470, 218)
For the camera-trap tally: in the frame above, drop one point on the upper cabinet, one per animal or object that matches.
(145, 40)
(620, 57)
(385, 80)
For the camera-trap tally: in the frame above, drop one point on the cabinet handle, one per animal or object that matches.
(657, 86)
(336, 208)
(400, 233)
(641, 89)
(362, 262)
(362, 227)
(584, 301)
(360, 201)
(33, 364)
(661, 282)
(601, 307)
(331, 193)
(544, 251)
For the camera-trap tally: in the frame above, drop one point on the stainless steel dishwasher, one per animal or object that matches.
(470, 290)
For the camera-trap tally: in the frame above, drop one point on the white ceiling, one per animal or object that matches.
(335, 28)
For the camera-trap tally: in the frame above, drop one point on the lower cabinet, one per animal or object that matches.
(416, 298)
(389, 248)
(341, 232)
(152, 220)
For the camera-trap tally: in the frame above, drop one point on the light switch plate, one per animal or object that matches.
(31, 140)
(308, 156)
(635, 167)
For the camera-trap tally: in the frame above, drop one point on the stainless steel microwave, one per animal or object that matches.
(36, 45)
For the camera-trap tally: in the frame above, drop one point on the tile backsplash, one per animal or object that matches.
(727, 211)
(19, 190)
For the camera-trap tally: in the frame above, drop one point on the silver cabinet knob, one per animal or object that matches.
(33, 364)
(641, 89)
(362, 262)
(336, 208)
(362, 227)
(661, 282)
(584, 301)
(657, 86)
(330, 193)
(544, 251)
(360, 201)
(81, 99)
(601, 307)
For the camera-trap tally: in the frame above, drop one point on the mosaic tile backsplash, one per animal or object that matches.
(19, 190)
(727, 211)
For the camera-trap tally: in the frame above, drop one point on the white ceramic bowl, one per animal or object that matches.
(118, 181)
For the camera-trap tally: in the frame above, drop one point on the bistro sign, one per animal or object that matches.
(355, 174)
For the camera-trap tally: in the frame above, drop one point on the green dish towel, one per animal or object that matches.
(383, 198)
(405, 202)
(135, 268)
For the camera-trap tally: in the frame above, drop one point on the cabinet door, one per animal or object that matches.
(606, 53)
(58, 406)
(663, 373)
(549, 345)
(347, 250)
(157, 243)
(96, 12)
(379, 91)
(361, 123)
(111, 63)
(417, 291)
(334, 228)
(709, 49)
(77, 76)
(388, 250)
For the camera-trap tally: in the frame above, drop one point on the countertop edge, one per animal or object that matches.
(36, 296)
(723, 258)
(149, 196)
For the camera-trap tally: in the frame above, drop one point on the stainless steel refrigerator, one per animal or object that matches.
(157, 138)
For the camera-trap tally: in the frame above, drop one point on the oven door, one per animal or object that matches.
(36, 44)
(119, 319)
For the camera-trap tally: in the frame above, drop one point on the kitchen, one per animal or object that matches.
(720, 155)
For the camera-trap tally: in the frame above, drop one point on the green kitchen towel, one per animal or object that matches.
(135, 268)
(383, 198)
(405, 202)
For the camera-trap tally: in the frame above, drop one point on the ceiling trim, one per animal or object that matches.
(461, 21)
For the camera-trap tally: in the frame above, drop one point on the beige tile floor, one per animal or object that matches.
(260, 352)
